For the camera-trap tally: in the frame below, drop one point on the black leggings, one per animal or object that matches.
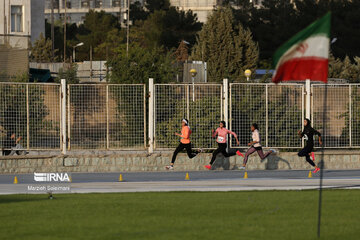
(305, 153)
(221, 149)
(179, 148)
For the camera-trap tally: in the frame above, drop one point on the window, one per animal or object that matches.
(16, 19)
(85, 4)
(68, 4)
(116, 3)
(98, 4)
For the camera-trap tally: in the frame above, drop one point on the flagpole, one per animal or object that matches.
(322, 161)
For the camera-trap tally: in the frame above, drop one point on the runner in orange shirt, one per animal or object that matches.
(184, 143)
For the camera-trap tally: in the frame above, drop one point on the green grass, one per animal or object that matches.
(181, 215)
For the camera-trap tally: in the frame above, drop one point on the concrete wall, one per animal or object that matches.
(157, 162)
(37, 19)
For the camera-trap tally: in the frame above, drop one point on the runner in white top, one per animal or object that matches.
(255, 145)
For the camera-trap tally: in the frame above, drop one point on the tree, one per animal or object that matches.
(168, 28)
(71, 31)
(69, 73)
(96, 26)
(137, 12)
(41, 51)
(276, 21)
(141, 64)
(344, 69)
(153, 5)
(228, 48)
(112, 39)
(273, 24)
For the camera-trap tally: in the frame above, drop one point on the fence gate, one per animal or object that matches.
(277, 109)
(201, 104)
(30, 111)
(106, 116)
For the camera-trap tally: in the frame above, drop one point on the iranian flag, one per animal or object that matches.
(305, 56)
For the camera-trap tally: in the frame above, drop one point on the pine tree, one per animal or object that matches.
(335, 67)
(41, 51)
(344, 69)
(227, 48)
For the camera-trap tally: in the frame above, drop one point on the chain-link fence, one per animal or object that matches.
(201, 104)
(30, 112)
(106, 116)
(277, 109)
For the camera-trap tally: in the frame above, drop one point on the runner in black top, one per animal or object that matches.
(308, 135)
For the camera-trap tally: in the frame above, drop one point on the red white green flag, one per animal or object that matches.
(305, 56)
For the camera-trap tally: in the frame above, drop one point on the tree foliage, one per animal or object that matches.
(344, 69)
(141, 64)
(41, 51)
(96, 26)
(275, 21)
(69, 72)
(227, 47)
(167, 28)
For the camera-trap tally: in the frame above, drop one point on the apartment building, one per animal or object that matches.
(22, 17)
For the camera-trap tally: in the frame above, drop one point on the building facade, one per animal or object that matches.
(202, 8)
(22, 17)
(76, 9)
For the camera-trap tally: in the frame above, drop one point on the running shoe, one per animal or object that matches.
(239, 153)
(201, 150)
(169, 167)
(208, 167)
(242, 168)
(313, 156)
(316, 170)
(273, 150)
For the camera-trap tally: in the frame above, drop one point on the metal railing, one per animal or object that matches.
(30, 111)
(106, 116)
(127, 117)
(277, 109)
(343, 114)
(201, 104)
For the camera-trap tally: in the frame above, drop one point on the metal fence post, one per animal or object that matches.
(63, 115)
(68, 139)
(350, 117)
(226, 100)
(226, 103)
(27, 118)
(151, 115)
(308, 98)
(144, 99)
(302, 112)
(187, 101)
(267, 115)
(107, 118)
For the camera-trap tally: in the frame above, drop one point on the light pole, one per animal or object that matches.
(193, 73)
(77, 45)
(247, 74)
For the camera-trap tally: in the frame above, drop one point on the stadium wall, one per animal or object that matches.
(156, 162)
